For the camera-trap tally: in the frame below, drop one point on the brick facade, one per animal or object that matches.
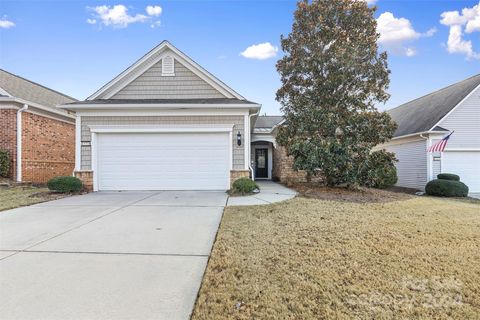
(237, 174)
(8, 137)
(48, 148)
(86, 176)
(283, 168)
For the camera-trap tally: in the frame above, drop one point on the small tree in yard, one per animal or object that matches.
(332, 77)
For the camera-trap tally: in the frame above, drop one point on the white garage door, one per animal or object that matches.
(466, 164)
(163, 161)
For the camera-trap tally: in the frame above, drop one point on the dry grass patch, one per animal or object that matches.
(19, 196)
(316, 259)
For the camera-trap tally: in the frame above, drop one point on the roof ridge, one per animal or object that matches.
(38, 84)
(434, 92)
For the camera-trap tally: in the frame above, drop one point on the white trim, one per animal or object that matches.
(418, 134)
(78, 143)
(38, 106)
(230, 138)
(461, 149)
(94, 161)
(19, 141)
(454, 108)
(429, 159)
(184, 59)
(267, 138)
(150, 113)
(158, 106)
(160, 129)
(246, 140)
(3, 92)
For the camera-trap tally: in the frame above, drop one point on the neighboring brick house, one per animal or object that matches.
(39, 137)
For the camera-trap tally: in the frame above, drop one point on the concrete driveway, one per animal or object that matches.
(107, 255)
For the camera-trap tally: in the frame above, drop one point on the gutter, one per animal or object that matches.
(19, 141)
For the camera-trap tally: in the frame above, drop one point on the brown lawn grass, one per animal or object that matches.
(19, 196)
(317, 259)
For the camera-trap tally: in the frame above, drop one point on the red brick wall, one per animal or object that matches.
(8, 136)
(48, 148)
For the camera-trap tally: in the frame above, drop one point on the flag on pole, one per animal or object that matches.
(440, 145)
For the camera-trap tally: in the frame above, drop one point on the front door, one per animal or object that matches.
(261, 163)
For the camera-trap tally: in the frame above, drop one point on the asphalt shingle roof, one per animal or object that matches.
(268, 121)
(422, 114)
(22, 88)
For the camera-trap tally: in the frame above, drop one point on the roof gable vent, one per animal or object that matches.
(168, 66)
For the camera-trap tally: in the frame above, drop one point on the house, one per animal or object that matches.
(39, 137)
(166, 123)
(426, 120)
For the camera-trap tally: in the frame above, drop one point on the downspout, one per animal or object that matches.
(250, 144)
(19, 142)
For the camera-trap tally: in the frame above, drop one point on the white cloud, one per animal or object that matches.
(153, 11)
(260, 51)
(6, 24)
(469, 21)
(370, 1)
(395, 33)
(117, 16)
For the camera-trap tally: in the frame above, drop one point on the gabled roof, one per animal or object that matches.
(268, 122)
(422, 114)
(153, 57)
(13, 86)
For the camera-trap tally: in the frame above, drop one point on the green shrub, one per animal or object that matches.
(379, 170)
(244, 185)
(448, 176)
(65, 184)
(4, 163)
(446, 188)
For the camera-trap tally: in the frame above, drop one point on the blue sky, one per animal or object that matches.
(52, 43)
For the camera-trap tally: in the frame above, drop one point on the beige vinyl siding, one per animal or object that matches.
(412, 163)
(465, 121)
(152, 85)
(238, 152)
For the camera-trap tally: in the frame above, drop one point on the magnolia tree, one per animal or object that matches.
(332, 77)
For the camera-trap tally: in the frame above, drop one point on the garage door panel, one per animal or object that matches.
(466, 164)
(163, 161)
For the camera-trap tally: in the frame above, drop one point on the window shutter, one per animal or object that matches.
(168, 67)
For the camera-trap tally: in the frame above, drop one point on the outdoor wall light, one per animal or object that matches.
(239, 138)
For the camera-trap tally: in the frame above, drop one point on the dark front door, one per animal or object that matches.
(261, 163)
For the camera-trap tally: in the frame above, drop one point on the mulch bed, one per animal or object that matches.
(362, 195)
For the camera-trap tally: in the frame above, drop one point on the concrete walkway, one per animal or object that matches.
(107, 255)
(270, 192)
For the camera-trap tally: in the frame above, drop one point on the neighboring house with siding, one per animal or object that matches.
(39, 137)
(426, 120)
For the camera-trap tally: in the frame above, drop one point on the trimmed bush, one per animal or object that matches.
(244, 185)
(446, 188)
(65, 184)
(448, 176)
(4, 163)
(379, 170)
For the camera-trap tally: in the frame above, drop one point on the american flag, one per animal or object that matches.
(440, 145)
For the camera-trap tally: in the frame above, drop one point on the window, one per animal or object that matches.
(168, 66)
